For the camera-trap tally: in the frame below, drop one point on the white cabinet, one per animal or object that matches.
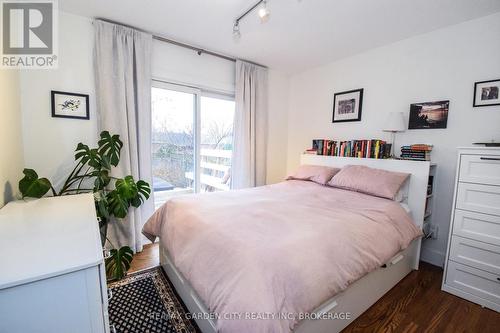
(472, 268)
(482, 286)
(478, 198)
(482, 227)
(52, 275)
(480, 169)
(475, 254)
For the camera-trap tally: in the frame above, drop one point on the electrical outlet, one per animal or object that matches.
(434, 231)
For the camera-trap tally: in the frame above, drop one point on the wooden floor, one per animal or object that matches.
(416, 304)
(149, 257)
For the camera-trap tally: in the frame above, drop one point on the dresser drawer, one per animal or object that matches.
(474, 281)
(479, 198)
(476, 254)
(482, 169)
(481, 227)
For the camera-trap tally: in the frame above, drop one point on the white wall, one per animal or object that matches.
(175, 64)
(440, 65)
(49, 143)
(277, 126)
(11, 140)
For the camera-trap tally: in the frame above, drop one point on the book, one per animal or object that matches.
(374, 148)
(419, 152)
(420, 146)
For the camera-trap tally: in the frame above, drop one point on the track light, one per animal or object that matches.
(236, 31)
(264, 12)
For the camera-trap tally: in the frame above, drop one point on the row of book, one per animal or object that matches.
(353, 148)
(418, 152)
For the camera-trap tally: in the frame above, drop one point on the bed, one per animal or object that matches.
(294, 256)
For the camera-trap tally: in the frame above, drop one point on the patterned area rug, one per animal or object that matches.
(146, 302)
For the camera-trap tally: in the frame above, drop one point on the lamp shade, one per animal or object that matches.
(395, 122)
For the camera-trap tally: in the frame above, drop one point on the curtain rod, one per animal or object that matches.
(198, 50)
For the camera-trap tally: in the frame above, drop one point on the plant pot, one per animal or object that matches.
(103, 230)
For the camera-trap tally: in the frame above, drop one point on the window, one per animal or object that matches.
(191, 141)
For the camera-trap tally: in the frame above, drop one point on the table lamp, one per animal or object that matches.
(395, 122)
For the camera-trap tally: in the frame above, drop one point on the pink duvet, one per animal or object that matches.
(277, 249)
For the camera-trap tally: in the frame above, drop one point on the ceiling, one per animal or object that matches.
(300, 34)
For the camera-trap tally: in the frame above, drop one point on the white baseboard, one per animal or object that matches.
(432, 256)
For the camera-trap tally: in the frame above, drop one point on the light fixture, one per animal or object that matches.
(395, 122)
(264, 12)
(236, 31)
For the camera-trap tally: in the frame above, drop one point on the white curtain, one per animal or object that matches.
(123, 88)
(250, 126)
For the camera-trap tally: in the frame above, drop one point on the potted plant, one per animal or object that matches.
(112, 196)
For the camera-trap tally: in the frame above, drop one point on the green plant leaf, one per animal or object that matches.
(101, 205)
(126, 187)
(110, 146)
(32, 186)
(87, 155)
(144, 189)
(119, 262)
(102, 179)
(105, 162)
(117, 205)
(143, 192)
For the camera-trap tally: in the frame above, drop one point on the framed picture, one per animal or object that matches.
(428, 115)
(70, 105)
(486, 93)
(347, 106)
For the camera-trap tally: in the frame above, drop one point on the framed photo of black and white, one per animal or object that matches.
(347, 106)
(70, 105)
(486, 93)
(428, 115)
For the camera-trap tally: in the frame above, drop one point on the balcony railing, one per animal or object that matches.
(215, 174)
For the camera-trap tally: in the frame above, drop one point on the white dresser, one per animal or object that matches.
(472, 268)
(52, 276)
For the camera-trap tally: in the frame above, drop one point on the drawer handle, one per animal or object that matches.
(490, 158)
(498, 279)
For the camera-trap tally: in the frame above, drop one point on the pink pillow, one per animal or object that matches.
(377, 182)
(316, 173)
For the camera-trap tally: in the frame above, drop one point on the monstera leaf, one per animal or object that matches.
(32, 186)
(102, 179)
(110, 146)
(101, 206)
(118, 263)
(134, 193)
(143, 192)
(126, 187)
(87, 155)
(117, 205)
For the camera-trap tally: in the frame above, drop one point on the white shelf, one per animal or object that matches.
(48, 237)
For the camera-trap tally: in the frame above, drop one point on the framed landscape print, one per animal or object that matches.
(347, 106)
(486, 93)
(428, 115)
(70, 105)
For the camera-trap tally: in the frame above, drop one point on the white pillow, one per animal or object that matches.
(402, 195)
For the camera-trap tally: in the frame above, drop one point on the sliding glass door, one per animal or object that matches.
(191, 141)
(216, 144)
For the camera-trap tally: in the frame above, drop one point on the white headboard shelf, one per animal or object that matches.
(417, 187)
